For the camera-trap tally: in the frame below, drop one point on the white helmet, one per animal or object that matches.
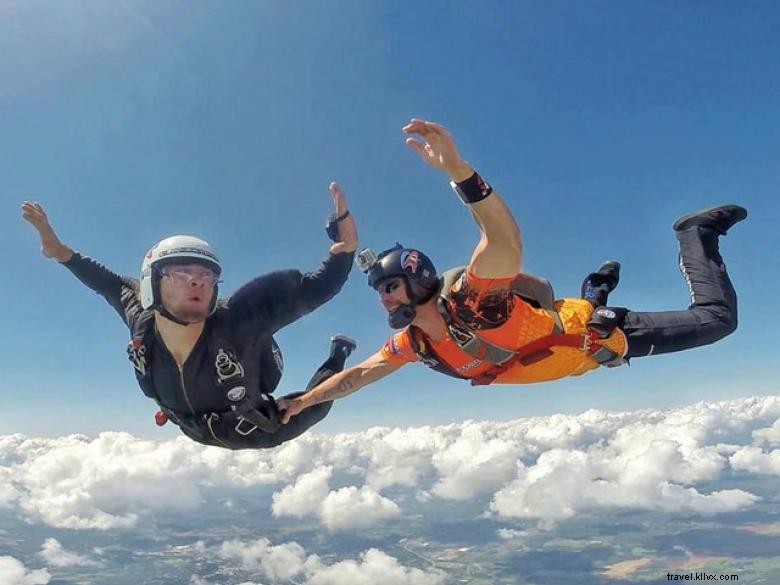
(174, 250)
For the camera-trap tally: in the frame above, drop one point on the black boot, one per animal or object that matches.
(719, 218)
(341, 346)
(597, 285)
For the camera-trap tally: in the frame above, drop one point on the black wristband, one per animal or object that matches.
(332, 227)
(473, 189)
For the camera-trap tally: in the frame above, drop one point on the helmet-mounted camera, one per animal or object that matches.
(366, 259)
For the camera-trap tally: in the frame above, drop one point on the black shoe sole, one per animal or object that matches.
(705, 217)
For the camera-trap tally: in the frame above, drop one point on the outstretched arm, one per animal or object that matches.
(340, 385)
(51, 246)
(499, 251)
(119, 291)
(274, 300)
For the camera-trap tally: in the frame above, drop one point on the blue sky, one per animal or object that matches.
(599, 123)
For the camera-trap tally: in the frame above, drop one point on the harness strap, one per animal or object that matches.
(241, 417)
(247, 416)
(542, 348)
(534, 290)
(478, 347)
(267, 422)
(138, 353)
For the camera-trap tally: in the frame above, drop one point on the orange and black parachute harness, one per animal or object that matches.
(539, 293)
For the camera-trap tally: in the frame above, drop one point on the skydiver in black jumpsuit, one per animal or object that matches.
(218, 389)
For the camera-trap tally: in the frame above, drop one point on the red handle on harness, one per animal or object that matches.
(160, 418)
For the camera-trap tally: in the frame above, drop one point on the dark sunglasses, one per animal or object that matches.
(390, 286)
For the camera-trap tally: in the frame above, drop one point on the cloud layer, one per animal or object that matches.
(289, 563)
(546, 469)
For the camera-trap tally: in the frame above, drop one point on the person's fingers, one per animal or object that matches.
(283, 407)
(418, 147)
(338, 198)
(438, 128)
(33, 205)
(336, 189)
(417, 126)
(31, 215)
(33, 211)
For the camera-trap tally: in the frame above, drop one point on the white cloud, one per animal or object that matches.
(374, 568)
(351, 507)
(8, 494)
(755, 460)
(511, 534)
(770, 436)
(278, 563)
(110, 481)
(564, 482)
(198, 580)
(650, 462)
(290, 563)
(546, 468)
(305, 496)
(104, 483)
(398, 456)
(474, 464)
(348, 507)
(13, 572)
(53, 553)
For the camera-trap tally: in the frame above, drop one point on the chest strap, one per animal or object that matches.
(537, 292)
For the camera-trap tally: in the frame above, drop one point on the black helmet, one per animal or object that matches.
(414, 266)
(417, 270)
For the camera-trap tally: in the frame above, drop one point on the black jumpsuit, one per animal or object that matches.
(249, 319)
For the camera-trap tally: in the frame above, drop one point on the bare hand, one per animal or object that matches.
(348, 237)
(289, 407)
(51, 246)
(437, 149)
